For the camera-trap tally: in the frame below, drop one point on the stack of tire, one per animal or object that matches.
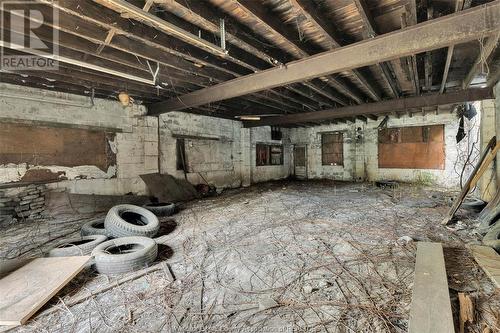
(122, 241)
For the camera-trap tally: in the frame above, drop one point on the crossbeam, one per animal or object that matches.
(461, 27)
(378, 108)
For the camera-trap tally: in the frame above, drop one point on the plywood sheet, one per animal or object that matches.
(25, 290)
(47, 146)
(430, 305)
(417, 147)
(489, 261)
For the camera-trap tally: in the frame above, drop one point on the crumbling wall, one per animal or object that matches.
(361, 150)
(218, 151)
(212, 147)
(127, 147)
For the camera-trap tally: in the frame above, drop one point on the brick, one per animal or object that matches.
(22, 208)
(29, 197)
(37, 205)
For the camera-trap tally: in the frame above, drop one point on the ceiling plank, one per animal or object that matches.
(401, 104)
(457, 28)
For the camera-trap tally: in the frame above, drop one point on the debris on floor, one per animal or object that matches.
(267, 258)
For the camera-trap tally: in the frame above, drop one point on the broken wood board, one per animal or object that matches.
(430, 305)
(489, 260)
(25, 290)
(169, 189)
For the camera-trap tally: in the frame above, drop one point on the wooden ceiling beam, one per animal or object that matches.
(297, 48)
(485, 50)
(428, 57)
(378, 108)
(127, 9)
(207, 17)
(453, 29)
(459, 5)
(385, 68)
(408, 19)
(311, 12)
(121, 42)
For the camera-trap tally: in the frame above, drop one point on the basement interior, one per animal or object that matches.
(264, 166)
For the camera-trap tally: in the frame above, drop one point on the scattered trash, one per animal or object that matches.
(404, 240)
(307, 289)
(386, 183)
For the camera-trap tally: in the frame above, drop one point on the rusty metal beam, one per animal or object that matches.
(401, 104)
(448, 30)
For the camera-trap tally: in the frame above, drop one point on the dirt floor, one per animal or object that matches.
(275, 257)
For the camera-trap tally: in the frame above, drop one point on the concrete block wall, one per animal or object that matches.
(218, 151)
(268, 172)
(311, 137)
(134, 144)
(361, 154)
(212, 146)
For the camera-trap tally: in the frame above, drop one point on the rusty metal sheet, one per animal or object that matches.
(47, 146)
(416, 147)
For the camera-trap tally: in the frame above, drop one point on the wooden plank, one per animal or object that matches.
(430, 305)
(458, 28)
(489, 261)
(487, 156)
(25, 290)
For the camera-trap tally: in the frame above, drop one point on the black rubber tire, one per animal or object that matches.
(492, 238)
(160, 209)
(95, 227)
(141, 252)
(473, 204)
(117, 226)
(71, 247)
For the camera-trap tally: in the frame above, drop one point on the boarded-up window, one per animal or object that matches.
(269, 154)
(48, 146)
(417, 147)
(332, 148)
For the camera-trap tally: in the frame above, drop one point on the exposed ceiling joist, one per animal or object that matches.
(486, 49)
(459, 5)
(458, 28)
(394, 105)
(139, 14)
(369, 24)
(311, 12)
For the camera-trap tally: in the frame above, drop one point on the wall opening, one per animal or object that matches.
(332, 149)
